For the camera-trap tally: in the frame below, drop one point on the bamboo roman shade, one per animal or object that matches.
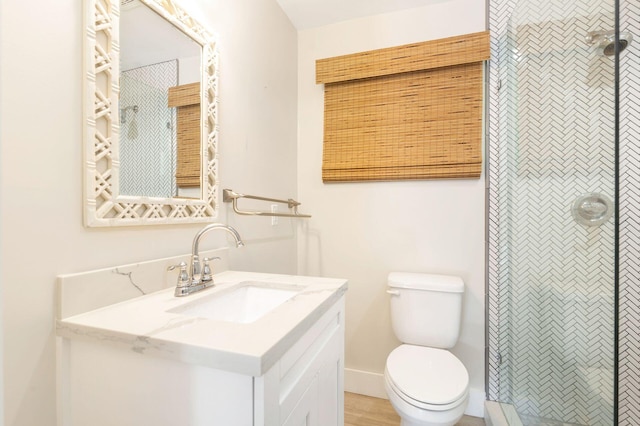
(186, 98)
(407, 112)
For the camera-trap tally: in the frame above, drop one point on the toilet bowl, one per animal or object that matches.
(426, 384)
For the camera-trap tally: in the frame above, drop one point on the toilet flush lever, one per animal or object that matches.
(393, 292)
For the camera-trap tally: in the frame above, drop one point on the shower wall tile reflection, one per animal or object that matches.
(147, 137)
(551, 280)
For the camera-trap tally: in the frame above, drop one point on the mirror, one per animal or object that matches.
(157, 60)
(150, 115)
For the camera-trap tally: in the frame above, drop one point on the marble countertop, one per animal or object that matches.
(144, 325)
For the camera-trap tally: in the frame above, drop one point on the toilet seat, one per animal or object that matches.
(423, 406)
(428, 378)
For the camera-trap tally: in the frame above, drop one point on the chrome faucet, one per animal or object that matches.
(200, 276)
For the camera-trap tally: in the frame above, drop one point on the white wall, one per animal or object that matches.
(363, 231)
(2, 36)
(41, 174)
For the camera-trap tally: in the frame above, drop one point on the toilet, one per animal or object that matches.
(426, 384)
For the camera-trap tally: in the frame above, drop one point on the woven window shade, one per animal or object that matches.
(409, 112)
(186, 98)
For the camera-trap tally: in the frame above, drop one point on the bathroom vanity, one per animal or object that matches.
(256, 349)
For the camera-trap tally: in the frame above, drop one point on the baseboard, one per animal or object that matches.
(364, 383)
(372, 384)
(475, 407)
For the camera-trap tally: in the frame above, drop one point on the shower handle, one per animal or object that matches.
(592, 209)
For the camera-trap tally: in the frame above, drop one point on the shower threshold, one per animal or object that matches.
(503, 414)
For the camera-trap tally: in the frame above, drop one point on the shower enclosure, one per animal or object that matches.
(561, 244)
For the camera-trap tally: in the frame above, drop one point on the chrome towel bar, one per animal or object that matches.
(228, 196)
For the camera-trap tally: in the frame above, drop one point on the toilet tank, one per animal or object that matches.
(426, 309)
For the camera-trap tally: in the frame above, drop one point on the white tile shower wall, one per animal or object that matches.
(629, 307)
(550, 300)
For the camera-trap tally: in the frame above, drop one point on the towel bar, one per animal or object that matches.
(228, 196)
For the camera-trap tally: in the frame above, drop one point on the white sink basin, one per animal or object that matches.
(244, 303)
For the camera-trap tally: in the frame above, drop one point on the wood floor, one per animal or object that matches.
(360, 410)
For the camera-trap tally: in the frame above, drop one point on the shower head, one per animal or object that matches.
(605, 41)
(123, 112)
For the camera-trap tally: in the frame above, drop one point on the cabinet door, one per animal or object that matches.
(330, 398)
(305, 412)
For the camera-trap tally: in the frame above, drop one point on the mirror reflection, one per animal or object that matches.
(159, 106)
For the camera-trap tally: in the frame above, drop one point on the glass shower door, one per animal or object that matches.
(553, 187)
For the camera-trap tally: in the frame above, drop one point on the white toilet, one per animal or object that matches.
(426, 384)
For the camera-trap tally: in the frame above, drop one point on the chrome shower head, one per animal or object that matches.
(605, 41)
(123, 112)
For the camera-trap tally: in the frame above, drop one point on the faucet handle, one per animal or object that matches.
(183, 276)
(206, 269)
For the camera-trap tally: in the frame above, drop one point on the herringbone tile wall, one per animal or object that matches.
(629, 305)
(551, 280)
(147, 156)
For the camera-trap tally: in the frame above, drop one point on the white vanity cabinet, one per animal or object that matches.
(106, 379)
(305, 386)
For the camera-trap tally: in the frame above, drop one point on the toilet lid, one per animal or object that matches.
(433, 376)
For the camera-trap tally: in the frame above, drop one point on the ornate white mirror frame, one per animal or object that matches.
(103, 205)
